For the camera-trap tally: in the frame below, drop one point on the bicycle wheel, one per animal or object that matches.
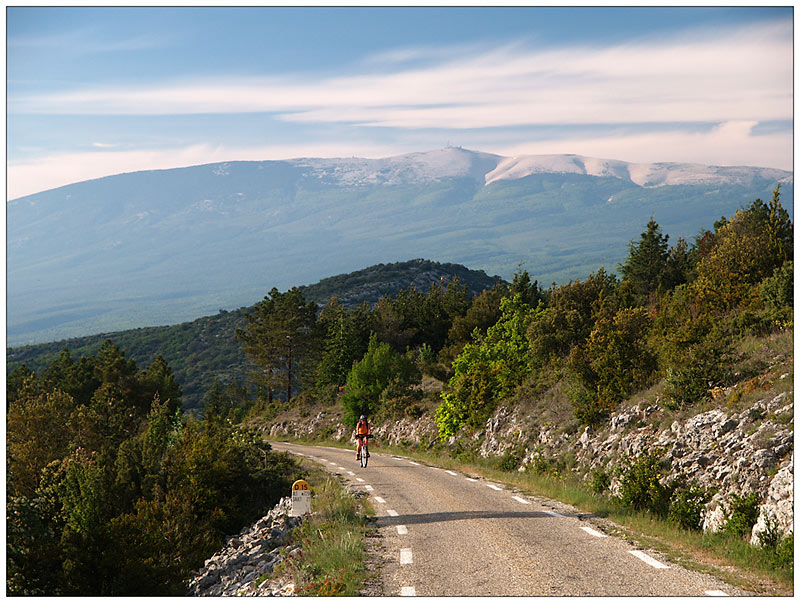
(364, 456)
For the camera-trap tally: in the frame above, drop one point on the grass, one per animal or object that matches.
(332, 561)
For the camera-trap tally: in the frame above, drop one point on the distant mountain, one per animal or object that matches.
(160, 247)
(206, 349)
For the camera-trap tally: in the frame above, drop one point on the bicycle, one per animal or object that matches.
(364, 457)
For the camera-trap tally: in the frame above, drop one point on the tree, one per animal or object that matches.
(613, 362)
(281, 338)
(380, 368)
(487, 370)
(346, 337)
(647, 261)
(483, 312)
(746, 250)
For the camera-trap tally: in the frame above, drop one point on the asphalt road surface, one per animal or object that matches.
(449, 534)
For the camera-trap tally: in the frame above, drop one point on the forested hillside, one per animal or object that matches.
(206, 350)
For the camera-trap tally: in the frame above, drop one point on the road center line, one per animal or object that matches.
(717, 593)
(402, 530)
(380, 500)
(358, 479)
(406, 558)
(522, 500)
(553, 513)
(322, 459)
(450, 472)
(594, 533)
(493, 487)
(648, 559)
(342, 468)
(471, 479)
(417, 464)
(350, 473)
(392, 513)
(408, 591)
(369, 488)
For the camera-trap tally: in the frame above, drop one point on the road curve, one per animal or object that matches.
(448, 534)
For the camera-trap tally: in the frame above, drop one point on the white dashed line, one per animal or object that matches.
(717, 593)
(408, 591)
(350, 473)
(369, 488)
(331, 463)
(522, 500)
(358, 479)
(397, 458)
(471, 479)
(392, 513)
(322, 459)
(406, 558)
(342, 468)
(594, 533)
(380, 500)
(450, 472)
(553, 513)
(402, 530)
(493, 487)
(648, 559)
(417, 464)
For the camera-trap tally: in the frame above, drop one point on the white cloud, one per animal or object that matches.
(730, 143)
(733, 75)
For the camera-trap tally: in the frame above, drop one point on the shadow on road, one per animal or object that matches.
(422, 518)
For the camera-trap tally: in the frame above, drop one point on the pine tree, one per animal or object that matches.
(647, 261)
(281, 337)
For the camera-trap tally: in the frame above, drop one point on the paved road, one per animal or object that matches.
(448, 534)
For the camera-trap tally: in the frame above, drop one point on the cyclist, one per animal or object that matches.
(363, 431)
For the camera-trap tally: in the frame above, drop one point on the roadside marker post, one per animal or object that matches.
(301, 499)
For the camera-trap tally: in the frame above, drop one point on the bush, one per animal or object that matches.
(511, 460)
(601, 480)
(741, 514)
(641, 488)
(687, 505)
(692, 373)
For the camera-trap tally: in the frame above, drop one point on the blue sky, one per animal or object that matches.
(98, 91)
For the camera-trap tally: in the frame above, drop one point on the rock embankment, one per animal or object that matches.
(244, 567)
(725, 452)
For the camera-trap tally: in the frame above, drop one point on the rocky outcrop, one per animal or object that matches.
(245, 565)
(729, 453)
(777, 511)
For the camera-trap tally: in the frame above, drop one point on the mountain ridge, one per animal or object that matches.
(489, 168)
(166, 246)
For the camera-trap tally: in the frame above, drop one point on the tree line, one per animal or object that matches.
(673, 314)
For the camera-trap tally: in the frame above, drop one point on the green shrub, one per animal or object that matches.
(741, 514)
(601, 480)
(641, 488)
(694, 371)
(587, 407)
(686, 506)
(511, 460)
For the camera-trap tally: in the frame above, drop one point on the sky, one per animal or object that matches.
(96, 91)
